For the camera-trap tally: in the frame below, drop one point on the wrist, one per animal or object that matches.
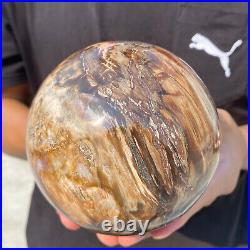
(244, 134)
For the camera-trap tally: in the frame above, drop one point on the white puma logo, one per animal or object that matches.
(201, 42)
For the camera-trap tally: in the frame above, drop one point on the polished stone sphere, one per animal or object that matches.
(126, 130)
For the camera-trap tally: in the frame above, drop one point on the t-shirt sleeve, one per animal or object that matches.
(13, 70)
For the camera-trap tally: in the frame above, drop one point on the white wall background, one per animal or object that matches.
(17, 187)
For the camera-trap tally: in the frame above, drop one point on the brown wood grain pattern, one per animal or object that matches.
(123, 129)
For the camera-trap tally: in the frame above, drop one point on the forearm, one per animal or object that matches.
(244, 132)
(14, 122)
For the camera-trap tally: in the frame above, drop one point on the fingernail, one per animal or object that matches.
(160, 233)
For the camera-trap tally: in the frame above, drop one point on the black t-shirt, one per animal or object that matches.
(211, 37)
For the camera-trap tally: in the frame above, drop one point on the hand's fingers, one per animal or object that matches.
(167, 230)
(108, 240)
(127, 241)
(67, 222)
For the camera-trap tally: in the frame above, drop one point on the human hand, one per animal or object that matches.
(67, 223)
(233, 153)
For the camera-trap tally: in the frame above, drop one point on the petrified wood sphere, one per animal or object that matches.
(123, 129)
